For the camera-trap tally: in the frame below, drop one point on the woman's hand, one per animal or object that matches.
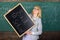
(28, 32)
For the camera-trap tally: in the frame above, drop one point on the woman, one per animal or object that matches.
(34, 33)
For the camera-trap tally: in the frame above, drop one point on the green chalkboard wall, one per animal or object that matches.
(50, 14)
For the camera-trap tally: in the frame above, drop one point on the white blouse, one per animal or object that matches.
(36, 30)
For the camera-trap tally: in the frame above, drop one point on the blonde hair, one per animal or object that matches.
(39, 8)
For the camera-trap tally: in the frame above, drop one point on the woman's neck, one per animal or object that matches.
(34, 15)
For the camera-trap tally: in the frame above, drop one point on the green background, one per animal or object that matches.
(50, 14)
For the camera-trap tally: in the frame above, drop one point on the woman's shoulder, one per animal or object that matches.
(30, 15)
(39, 19)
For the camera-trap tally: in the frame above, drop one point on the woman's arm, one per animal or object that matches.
(39, 28)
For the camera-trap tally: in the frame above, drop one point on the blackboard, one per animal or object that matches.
(19, 19)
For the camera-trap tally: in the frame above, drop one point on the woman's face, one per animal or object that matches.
(35, 10)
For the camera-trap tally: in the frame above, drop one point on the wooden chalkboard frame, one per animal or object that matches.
(11, 24)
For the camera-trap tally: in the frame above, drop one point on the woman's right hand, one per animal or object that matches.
(28, 32)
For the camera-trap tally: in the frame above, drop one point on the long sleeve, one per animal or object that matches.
(39, 31)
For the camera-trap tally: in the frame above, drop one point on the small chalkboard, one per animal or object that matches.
(19, 19)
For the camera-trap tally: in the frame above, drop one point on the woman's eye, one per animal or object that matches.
(37, 9)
